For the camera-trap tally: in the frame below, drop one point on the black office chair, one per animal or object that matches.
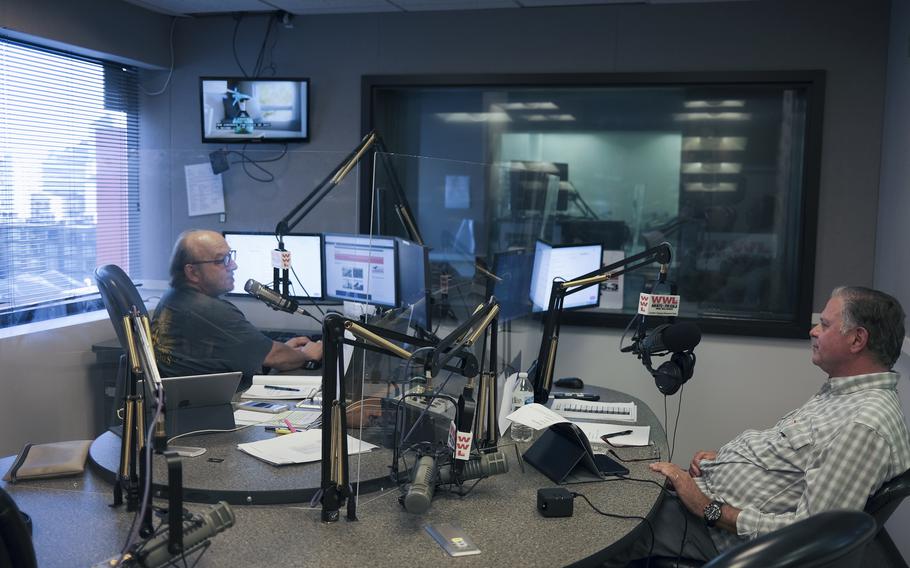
(119, 295)
(834, 539)
(831, 539)
(16, 549)
(888, 497)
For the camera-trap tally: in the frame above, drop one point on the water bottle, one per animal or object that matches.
(522, 395)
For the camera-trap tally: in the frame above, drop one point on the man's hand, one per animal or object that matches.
(296, 342)
(312, 350)
(685, 487)
(694, 469)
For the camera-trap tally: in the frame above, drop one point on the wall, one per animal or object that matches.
(891, 269)
(103, 28)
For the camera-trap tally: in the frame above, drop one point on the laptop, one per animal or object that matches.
(199, 402)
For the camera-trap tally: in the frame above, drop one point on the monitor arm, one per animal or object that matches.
(302, 209)
(542, 378)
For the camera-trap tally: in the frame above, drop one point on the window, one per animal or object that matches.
(723, 166)
(68, 179)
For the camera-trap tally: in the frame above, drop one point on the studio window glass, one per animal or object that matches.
(68, 179)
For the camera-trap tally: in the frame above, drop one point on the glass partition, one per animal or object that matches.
(721, 166)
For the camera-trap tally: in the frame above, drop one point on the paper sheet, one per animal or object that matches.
(300, 447)
(298, 418)
(640, 436)
(307, 387)
(204, 190)
(536, 416)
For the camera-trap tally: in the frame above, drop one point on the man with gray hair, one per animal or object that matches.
(196, 331)
(831, 453)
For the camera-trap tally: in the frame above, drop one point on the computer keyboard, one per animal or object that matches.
(282, 335)
(595, 411)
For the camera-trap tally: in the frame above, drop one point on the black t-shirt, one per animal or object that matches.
(197, 334)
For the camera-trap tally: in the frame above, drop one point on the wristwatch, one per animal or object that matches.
(712, 513)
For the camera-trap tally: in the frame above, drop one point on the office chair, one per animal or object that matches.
(884, 501)
(119, 295)
(835, 539)
(16, 549)
(831, 539)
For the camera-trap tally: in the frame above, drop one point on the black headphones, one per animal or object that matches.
(672, 374)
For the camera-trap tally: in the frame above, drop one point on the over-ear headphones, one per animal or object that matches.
(673, 374)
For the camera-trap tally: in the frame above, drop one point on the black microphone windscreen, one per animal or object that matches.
(681, 336)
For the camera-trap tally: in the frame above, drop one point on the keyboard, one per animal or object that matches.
(282, 335)
(595, 410)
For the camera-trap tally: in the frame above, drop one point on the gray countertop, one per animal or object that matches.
(75, 526)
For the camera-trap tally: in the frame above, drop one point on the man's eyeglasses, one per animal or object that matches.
(225, 260)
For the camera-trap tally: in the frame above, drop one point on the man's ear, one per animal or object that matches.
(860, 339)
(189, 271)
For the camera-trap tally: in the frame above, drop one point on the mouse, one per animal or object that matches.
(312, 365)
(570, 383)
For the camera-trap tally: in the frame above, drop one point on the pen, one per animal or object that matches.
(277, 429)
(276, 388)
(615, 434)
(290, 427)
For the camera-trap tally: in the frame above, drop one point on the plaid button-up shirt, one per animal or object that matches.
(831, 453)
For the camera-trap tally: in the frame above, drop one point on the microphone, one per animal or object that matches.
(427, 476)
(677, 337)
(272, 298)
(196, 531)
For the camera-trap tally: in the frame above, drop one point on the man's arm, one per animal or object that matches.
(848, 470)
(693, 498)
(285, 357)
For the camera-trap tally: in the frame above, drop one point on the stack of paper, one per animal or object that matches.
(299, 447)
(284, 387)
(297, 418)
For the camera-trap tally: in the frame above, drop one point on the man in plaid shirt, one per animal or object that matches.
(831, 453)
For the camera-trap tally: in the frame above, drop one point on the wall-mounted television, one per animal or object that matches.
(267, 109)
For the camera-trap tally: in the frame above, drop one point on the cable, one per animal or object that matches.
(617, 516)
(676, 423)
(244, 160)
(170, 72)
(237, 18)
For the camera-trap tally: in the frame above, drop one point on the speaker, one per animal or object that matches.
(673, 374)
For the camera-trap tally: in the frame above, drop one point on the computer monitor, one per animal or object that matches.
(254, 260)
(514, 271)
(413, 282)
(565, 262)
(360, 268)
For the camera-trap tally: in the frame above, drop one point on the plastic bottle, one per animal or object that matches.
(522, 395)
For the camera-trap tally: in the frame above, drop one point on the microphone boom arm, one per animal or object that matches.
(542, 378)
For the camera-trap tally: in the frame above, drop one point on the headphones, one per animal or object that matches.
(672, 374)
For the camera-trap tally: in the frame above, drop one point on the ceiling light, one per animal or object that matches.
(718, 187)
(711, 168)
(712, 116)
(474, 116)
(729, 103)
(726, 143)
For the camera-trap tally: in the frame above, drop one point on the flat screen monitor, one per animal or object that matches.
(514, 271)
(413, 282)
(267, 109)
(565, 262)
(360, 268)
(254, 260)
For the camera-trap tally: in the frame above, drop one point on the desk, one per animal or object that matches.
(74, 525)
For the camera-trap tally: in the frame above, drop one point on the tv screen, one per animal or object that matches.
(564, 262)
(360, 268)
(254, 260)
(236, 109)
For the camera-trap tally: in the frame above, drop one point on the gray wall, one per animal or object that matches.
(892, 272)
